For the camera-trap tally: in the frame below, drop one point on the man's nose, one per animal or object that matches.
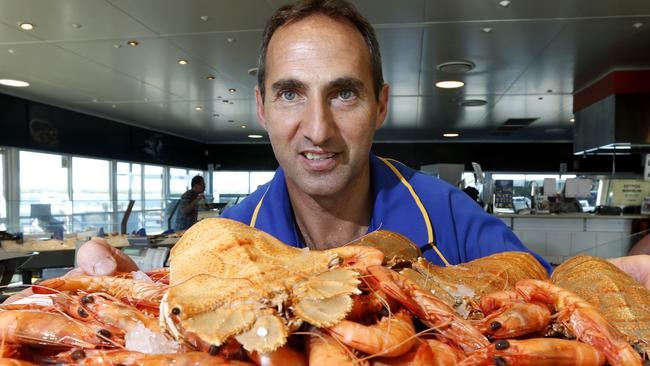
(318, 125)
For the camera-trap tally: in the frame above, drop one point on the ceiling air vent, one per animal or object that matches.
(512, 125)
(473, 103)
(456, 67)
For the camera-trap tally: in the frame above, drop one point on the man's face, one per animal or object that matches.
(320, 109)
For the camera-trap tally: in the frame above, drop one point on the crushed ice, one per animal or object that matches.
(141, 339)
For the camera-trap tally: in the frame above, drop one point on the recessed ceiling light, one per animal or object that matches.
(243, 126)
(113, 106)
(255, 136)
(204, 18)
(231, 102)
(487, 30)
(215, 115)
(76, 25)
(26, 26)
(115, 45)
(449, 84)
(549, 91)
(183, 61)
(11, 50)
(146, 100)
(230, 40)
(637, 25)
(450, 134)
(504, 3)
(133, 43)
(225, 101)
(95, 100)
(572, 120)
(210, 77)
(252, 71)
(231, 121)
(232, 90)
(198, 108)
(14, 83)
(540, 98)
(473, 103)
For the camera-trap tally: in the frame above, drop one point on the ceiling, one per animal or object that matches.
(537, 54)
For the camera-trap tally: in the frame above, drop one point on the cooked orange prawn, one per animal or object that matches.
(536, 352)
(426, 352)
(14, 362)
(583, 319)
(433, 312)
(285, 355)
(324, 350)
(48, 329)
(106, 358)
(125, 289)
(516, 320)
(116, 314)
(390, 337)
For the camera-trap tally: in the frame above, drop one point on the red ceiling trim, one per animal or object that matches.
(616, 82)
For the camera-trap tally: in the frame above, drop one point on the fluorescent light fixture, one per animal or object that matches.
(14, 83)
(450, 84)
(450, 134)
(255, 136)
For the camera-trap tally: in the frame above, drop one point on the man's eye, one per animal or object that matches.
(288, 95)
(346, 94)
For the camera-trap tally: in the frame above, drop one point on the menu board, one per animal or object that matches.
(503, 195)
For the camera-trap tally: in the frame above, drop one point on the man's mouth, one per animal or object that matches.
(316, 156)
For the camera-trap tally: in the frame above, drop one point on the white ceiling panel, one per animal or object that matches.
(176, 17)
(53, 19)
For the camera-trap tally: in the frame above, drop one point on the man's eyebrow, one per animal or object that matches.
(347, 83)
(288, 84)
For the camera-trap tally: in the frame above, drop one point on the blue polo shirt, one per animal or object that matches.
(423, 208)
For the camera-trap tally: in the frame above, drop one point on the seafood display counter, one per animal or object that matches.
(559, 237)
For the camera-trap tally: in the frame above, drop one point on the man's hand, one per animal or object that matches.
(637, 266)
(96, 258)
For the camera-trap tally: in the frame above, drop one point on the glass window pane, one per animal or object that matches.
(259, 178)
(129, 185)
(43, 192)
(3, 202)
(90, 194)
(153, 187)
(230, 186)
(179, 181)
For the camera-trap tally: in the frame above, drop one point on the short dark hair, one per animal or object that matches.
(335, 9)
(197, 180)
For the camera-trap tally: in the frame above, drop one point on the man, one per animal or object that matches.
(188, 207)
(321, 96)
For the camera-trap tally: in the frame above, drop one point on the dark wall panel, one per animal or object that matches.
(13, 117)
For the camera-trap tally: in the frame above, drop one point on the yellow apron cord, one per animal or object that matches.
(423, 211)
(257, 208)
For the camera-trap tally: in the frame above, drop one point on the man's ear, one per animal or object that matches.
(259, 101)
(382, 106)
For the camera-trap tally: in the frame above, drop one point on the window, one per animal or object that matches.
(129, 187)
(90, 194)
(179, 181)
(44, 200)
(154, 205)
(259, 178)
(3, 201)
(230, 186)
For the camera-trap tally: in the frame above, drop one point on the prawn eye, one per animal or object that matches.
(501, 344)
(213, 350)
(104, 333)
(87, 299)
(82, 313)
(78, 354)
(176, 311)
(495, 325)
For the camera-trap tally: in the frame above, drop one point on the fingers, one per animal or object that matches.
(21, 295)
(637, 266)
(98, 258)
